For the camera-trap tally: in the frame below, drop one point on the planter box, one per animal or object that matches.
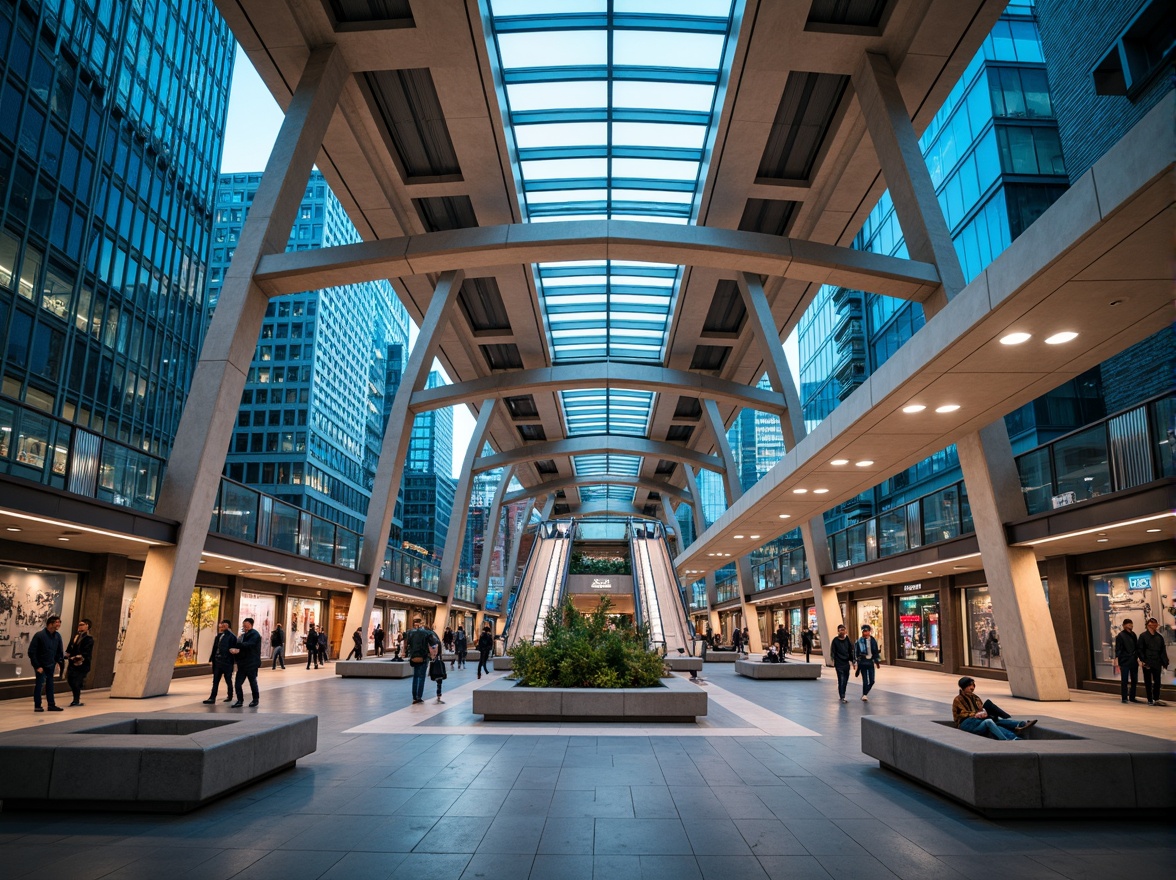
(677, 700)
(373, 668)
(723, 656)
(502, 664)
(796, 670)
(152, 763)
(684, 663)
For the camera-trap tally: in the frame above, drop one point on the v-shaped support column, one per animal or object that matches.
(1029, 645)
(206, 426)
(696, 511)
(394, 449)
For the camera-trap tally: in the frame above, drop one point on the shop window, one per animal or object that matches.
(200, 624)
(869, 613)
(918, 627)
(981, 640)
(27, 599)
(1135, 595)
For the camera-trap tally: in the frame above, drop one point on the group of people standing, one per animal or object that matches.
(47, 653)
(242, 652)
(316, 647)
(1147, 651)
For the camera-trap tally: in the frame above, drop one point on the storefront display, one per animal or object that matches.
(981, 640)
(376, 620)
(199, 626)
(869, 613)
(302, 613)
(918, 627)
(1137, 595)
(794, 628)
(27, 600)
(264, 611)
(130, 591)
(811, 613)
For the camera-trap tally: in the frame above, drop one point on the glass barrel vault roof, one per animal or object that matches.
(609, 107)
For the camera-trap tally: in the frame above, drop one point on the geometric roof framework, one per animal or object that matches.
(609, 107)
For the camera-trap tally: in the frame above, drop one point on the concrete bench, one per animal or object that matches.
(713, 656)
(676, 700)
(156, 762)
(377, 668)
(1059, 768)
(683, 663)
(789, 670)
(502, 664)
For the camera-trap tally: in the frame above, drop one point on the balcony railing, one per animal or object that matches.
(1120, 452)
(789, 567)
(47, 450)
(410, 569)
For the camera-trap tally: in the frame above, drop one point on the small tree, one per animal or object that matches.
(202, 610)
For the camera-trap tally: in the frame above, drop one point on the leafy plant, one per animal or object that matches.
(587, 651)
(581, 564)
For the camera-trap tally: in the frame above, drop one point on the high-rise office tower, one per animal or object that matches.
(996, 161)
(313, 411)
(111, 124)
(428, 487)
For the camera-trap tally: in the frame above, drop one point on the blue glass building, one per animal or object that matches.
(111, 125)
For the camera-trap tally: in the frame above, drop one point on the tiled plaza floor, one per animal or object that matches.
(772, 785)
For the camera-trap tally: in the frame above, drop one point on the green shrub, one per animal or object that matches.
(581, 564)
(587, 652)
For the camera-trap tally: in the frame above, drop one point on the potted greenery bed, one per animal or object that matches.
(589, 669)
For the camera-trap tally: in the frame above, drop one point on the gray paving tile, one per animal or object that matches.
(493, 866)
(715, 837)
(567, 835)
(513, 834)
(641, 837)
(769, 837)
(670, 868)
(562, 867)
(653, 802)
(432, 866)
(726, 867)
(614, 867)
(454, 834)
(793, 868)
(366, 865)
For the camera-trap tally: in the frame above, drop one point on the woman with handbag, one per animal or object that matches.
(437, 668)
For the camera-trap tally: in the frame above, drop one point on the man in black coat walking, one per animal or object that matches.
(77, 659)
(222, 660)
(278, 643)
(248, 652)
(46, 654)
(312, 651)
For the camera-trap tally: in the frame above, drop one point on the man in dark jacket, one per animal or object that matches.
(357, 647)
(278, 643)
(312, 646)
(222, 660)
(461, 646)
(378, 640)
(77, 659)
(418, 643)
(485, 648)
(841, 652)
(1153, 654)
(46, 654)
(248, 653)
(322, 647)
(1127, 659)
(866, 650)
(806, 642)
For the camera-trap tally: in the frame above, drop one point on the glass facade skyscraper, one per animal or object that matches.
(428, 487)
(313, 410)
(111, 125)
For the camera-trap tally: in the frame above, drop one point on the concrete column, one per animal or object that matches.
(548, 507)
(1028, 643)
(812, 532)
(455, 536)
(194, 467)
(734, 490)
(394, 449)
(712, 593)
(102, 604)
(490, 538)
(512, 565)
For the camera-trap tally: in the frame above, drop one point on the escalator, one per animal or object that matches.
(657, 594)
(543, 583)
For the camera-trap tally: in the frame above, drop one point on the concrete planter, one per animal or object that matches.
(149, 763)
(777, 671)
(502, 664)
(684, 663)
(676, 700)
(723, 656)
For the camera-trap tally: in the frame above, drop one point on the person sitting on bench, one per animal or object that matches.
(773, 655)
(985, 719)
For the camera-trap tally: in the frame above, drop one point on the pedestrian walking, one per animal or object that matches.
(485, 648)
(78, 655)
(247, 652)
(46, 653)
(378, 640)
(419, 643)
(737, 640)
(437, 668)
(447, 640)
(1127, 660)
(841, 653)
(461, 646)
(357, 644)
(1153, 654)
(866, 649)
(312, 651)
(278, 643)
(323, 647)
(222, 660)
(806, 642)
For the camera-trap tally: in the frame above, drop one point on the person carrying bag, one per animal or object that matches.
(437, 668)
(421, 645)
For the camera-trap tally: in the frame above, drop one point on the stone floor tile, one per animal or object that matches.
(728, 867)
(793, 868)
(640, 837)
(492, 866)
(561, 867)
(454, 834)
(567, 835)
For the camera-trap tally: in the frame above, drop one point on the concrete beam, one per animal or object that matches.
(597, 444)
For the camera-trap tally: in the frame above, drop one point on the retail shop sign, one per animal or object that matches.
(912, 588)
(1139, 580)
(601, 584)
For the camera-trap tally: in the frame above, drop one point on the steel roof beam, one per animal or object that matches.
(612, 480)
(597, 444)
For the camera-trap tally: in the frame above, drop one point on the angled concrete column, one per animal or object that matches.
(1028, 642)
(812, 533)
(488, 541)
(210, 413)
(455, 536)
(734, 490)
(512, 565)
(696, 511)
(394, 449)
(548, 507)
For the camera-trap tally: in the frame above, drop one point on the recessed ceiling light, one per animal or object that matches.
(799, 491)
(947, 408)
(865, 462)
(1103, 540)
(1149, 531)
(1015, 338)
(959, 567)
(63, 539)
(789, 516)
(739, 537)
(13, 529)
(914, 408)
(1059, 338)
(820, 491)
(929, 571)
(754, 537)
(839, 461)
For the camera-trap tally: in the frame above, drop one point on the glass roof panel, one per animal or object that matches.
(609, 105)
(624, 494)
(572, 48)
(597, 465)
